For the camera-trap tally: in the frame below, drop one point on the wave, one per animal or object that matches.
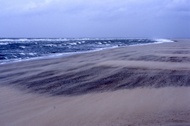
(66, 39)
(31, 40)
(163, 40)
(4, 43)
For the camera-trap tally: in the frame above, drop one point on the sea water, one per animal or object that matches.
(19, 49)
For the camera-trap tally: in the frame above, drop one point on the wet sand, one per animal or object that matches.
(138, 85)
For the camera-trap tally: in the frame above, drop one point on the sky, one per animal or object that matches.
(95, 18)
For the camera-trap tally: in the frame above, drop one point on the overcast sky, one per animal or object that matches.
(95, 18)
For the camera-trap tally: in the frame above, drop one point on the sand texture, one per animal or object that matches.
(129, 86)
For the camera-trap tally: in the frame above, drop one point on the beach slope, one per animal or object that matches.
(137, 85)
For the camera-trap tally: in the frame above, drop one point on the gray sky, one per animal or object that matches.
(95, 18)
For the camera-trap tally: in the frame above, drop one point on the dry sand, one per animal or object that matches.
(140, 85)
(164, 106)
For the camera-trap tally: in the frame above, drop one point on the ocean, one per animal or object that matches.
(19, 49)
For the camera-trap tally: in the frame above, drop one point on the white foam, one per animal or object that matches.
(51, 45)
(32, 54)
(14, 40)
(30, 40)
(157, 41)
(4, 43)
(6, 40)
(22, 47)
(163, 40)
(79, 43)
(73, 43)
(22, 54)
(22, 40)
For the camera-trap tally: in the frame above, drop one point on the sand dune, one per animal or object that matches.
(139, 85)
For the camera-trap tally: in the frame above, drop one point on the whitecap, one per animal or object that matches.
(22, 54)
(73, 43)
(51, 45)
(22, 40)
(32, 54)
(4, 43)
(79, 42)
(23, 47)
(6, 40)
(163, 40)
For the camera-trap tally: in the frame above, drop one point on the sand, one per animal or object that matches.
(129, 86)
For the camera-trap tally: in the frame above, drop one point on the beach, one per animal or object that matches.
(144, 85)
